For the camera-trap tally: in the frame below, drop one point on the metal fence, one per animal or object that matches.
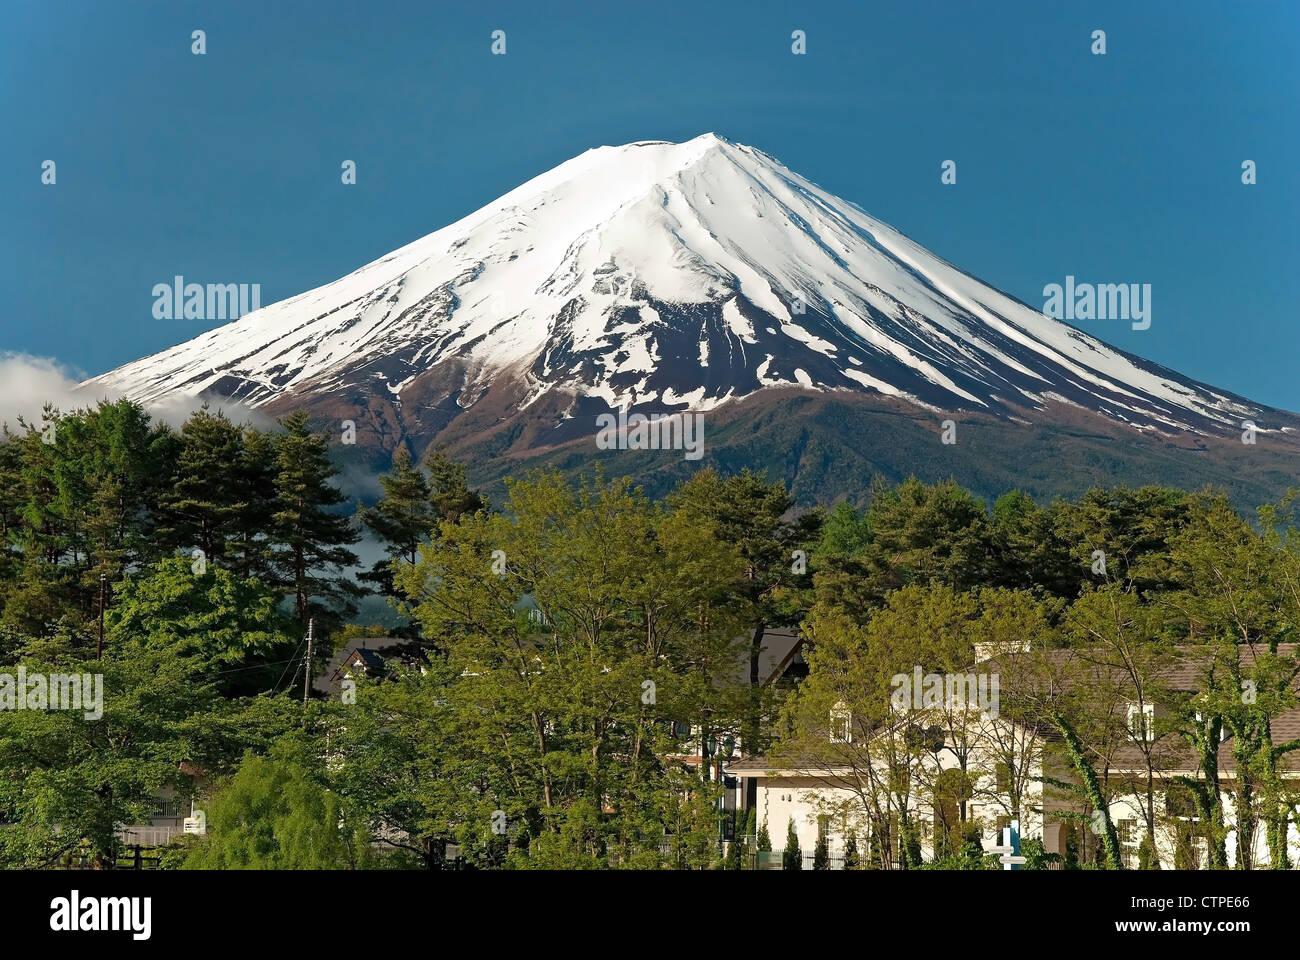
(149, 836)
(132, 856)
(775, 860)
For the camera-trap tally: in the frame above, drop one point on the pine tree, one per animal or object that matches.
(119, 472)
(310, 542)
(256, 470)
(821, 852)
(402, 519)
(791, 856)
(924, 533)
(75, 507)
(851, 853)
(41, 532)
(450, 495)
(207, 496)
(11, 455)
(735, 852)
(43, 592)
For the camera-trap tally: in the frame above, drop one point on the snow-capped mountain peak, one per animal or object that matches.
(673, 275)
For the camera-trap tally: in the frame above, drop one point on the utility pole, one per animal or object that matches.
(103, 599)
(306, 683)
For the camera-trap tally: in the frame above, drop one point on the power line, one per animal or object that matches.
(276, 688)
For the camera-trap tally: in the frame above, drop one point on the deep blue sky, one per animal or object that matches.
(225, 167)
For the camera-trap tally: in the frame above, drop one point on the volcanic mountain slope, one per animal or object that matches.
(659, 276)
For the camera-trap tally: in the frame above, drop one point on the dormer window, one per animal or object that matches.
(841, 723)
(1142, 721)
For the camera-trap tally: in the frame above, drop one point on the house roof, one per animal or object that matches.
(1185, 674)
(362, 656)
(782, 647)
(373, 651)
(753, 766)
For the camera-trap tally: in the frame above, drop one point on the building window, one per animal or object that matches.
(841, 723)
(1141, 721)
(1128, 842)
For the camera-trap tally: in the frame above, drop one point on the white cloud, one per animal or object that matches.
(27, 383)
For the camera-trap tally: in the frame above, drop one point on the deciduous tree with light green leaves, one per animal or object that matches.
(271, 814)
(585, 635)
